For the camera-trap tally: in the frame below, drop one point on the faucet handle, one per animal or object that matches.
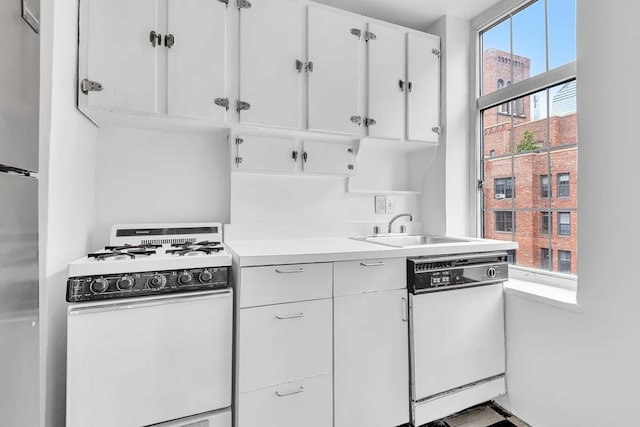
(403, 228)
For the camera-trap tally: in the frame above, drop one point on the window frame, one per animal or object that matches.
(547, 186)
(550, 78)
(506, 181)
(567, 225)
(549, 222)
(564, 261)
(566, 185)
(513, 221)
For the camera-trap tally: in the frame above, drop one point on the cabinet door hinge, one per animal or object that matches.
(369, 122)
(169, 40)
(241, 105)
(155, 38)
(243, 4)
(294, 156)
(309, 67)
(239, 140)
(238, 161)
(357, 120)
(436, 52)
(222, 102)
(300, 66)
(368, 35)
(305, 156)
(87, 86)
(356, 32)
(436, 129)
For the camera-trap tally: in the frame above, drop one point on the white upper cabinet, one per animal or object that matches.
(386, 72)
(119, 44)
(270, 45)
(334, 40)
(196, 58)
(423, 87)
(327, 158)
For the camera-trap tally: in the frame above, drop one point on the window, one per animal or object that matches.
(564, 261)
(564, 223)
(511, 256)
(563, 185)
(505, 221)
(527, 127)
(545, 258)
(545, 188)
(503, 188)
(545, 221)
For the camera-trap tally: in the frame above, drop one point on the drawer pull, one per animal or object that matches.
(290, 316)
(297, 270)
(289, 393)
(372, 264)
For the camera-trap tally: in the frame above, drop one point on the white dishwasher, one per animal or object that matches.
(456, 323)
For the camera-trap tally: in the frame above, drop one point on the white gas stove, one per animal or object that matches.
(151, 259)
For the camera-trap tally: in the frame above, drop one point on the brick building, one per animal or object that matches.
(530, 169)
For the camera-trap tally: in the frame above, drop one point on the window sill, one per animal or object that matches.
(550, 295)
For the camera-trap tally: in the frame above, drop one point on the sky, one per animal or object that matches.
(529, 34)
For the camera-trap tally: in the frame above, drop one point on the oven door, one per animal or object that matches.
(140, 362)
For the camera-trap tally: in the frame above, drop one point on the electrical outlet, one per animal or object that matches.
(390, 205)
(381, 204)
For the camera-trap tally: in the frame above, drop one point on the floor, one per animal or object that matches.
(486, 415)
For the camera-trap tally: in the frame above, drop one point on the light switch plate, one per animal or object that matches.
(390, 206)
(381, 204)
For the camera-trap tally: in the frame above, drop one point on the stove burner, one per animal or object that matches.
(195, 249)
(117, 253)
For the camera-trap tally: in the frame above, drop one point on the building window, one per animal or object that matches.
(545, 258)
(527, 128)
(545, 221)
(505, 221)
(564, 261)
(563, 185)
(564, 223)
(503, 188)
(511, 256)
(545, 186)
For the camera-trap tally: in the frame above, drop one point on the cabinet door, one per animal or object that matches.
(386, 65)
(371, 360)
(333, 83)
(264, 153)
(197, 59)
(423, 99)
(327, 158)
(116, 52)
(270, 44)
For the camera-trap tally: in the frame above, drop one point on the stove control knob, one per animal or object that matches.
(99, 285)
(126, 283)
(206, 276)
(491, 272)
(157, 281)
(185, 278)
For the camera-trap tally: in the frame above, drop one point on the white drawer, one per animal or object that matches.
(355, 277)
(284, 342)
(305, 403)
(284, 283)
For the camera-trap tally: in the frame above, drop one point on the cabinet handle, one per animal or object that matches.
(401, 84)
(298, 270)
(372, 264)
(294, 156)
(305, 156)
(289, 316)
(289, 393)
(409, 87)
(169, 40)
(155, 38)
(404, 310)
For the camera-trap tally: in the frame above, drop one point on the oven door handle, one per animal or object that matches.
(372, 264)
(225, 293)
(289, 393)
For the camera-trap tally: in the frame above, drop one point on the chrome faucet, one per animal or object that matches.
(402, 227)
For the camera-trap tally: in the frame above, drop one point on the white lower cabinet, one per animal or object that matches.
(371, 344)
(300, 403)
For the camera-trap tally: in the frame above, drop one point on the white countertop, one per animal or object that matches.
(249, 253)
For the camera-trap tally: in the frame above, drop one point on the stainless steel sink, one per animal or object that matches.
(404, 240)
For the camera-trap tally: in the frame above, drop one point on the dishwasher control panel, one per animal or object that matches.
(426, 274)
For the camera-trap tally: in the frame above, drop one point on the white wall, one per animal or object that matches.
(445, 200)
(572, 369)
(155, 176)
(67, 156)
